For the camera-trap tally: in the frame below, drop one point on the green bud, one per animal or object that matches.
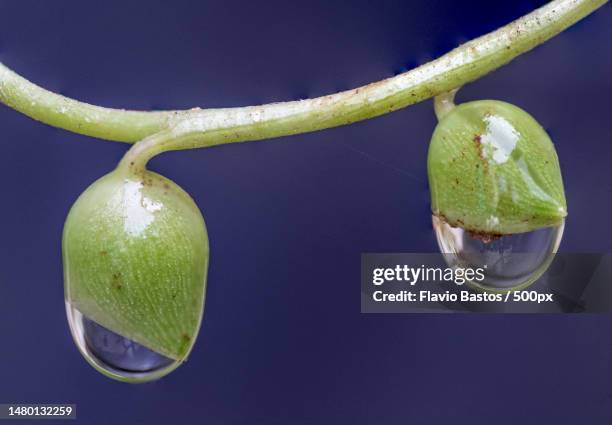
(493, 170)
(135, 251)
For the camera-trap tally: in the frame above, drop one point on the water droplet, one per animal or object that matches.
(115, 355)
(511, 262)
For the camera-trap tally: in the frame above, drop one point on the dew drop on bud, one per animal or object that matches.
(135, 250)
(117, 356)
(497, 193)
(510, 262)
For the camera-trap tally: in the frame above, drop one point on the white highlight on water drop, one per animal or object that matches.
(501, 138)
(138, 208)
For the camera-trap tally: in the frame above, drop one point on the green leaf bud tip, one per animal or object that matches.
(136, 251)
(493, 170)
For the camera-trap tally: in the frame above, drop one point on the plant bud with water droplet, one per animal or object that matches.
(135, 251)
(496, 192)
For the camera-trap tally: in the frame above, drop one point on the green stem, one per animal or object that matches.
(135, 160)
(75, 116)
(444, 103)
(209, 127)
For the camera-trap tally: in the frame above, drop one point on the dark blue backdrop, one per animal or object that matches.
(283, 341)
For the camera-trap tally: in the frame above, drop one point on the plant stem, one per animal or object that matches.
(444, 103)
(135, 160)
(75, 116)
(209, 127)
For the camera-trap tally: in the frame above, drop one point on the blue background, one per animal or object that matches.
(283, 340)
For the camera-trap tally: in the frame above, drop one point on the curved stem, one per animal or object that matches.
(208, 127)
(78, 117)
(135, 160)
(444, 103)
